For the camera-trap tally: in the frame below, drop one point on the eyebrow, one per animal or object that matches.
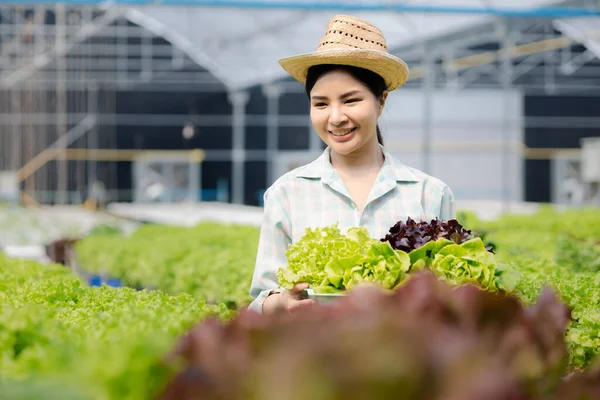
(348, 94)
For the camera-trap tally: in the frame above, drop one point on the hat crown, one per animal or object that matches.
(344, 32)
(354, 42)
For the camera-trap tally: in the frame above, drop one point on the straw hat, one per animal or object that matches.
(351, 41)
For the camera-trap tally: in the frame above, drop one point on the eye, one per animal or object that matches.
(352, 100)
(320, 104)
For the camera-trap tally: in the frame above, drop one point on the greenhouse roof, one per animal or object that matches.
(241, 44)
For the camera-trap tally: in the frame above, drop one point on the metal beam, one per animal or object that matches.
(56, 148)
(107, 64)
(461, 81)
(202, 155)
(6, 49)
(180, 42)
(574, 64)
(528, 64)
(537, 12)
(130, 84)
(40, 61)
(178, 120)
(515, 51)
(584, 31)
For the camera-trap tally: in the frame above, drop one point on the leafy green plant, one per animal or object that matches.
(578, 255)
(99, 343)
(62, 339)
(210, 261)
(331, 261)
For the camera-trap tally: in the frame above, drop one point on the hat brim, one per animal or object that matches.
(393, 70)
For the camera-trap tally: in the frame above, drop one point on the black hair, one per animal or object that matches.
(373, 81)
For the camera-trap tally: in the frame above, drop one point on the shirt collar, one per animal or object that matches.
(321, 168)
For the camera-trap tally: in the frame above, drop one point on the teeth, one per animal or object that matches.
(342, 133)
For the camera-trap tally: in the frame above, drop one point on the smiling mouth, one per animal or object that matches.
(342, 133)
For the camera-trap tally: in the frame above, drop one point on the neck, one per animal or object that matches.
(367, 159)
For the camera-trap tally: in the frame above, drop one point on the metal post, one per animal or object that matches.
(273, 93)
(61, 100)
(122, 47)
(195, 177)
(238, 102)
(16, 108)
(451, 73)
(146, 51)
(428, 86)
(506, 79)
(40, 133)
(93, 134)
(549, 65)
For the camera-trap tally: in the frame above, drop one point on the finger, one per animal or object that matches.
(298, 287)
(295, 296)
(296, 305)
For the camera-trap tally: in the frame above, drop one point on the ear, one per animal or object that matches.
(382, 101)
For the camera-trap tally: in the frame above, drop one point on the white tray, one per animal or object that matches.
(323, 298)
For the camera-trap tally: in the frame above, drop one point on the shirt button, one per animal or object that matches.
(353, 205)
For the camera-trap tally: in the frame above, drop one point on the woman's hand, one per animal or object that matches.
(288, 301)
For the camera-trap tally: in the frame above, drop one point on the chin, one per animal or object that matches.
(344, 148)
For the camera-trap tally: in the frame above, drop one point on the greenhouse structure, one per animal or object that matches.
(185, 101)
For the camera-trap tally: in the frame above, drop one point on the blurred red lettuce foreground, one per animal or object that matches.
(427, 340)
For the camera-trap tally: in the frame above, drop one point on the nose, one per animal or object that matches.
(337, 116)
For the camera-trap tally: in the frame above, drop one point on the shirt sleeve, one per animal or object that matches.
(274, 240)
(448, 205)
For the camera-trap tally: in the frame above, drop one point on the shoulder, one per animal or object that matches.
(286, 183)
(429, 180)
(436, 196)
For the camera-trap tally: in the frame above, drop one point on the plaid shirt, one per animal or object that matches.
(314, 195)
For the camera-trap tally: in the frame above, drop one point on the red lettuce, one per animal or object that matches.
(411, 235)
(426, 340)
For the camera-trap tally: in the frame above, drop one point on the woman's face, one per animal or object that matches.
(344, 112)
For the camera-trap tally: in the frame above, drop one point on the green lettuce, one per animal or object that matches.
(331, 261)
(468, 262)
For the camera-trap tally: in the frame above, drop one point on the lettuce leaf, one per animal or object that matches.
(331, 261)
(469, 262)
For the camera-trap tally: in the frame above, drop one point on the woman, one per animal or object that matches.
(355, 182)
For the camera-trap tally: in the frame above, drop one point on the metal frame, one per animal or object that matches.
(484, 9)
(102, 47)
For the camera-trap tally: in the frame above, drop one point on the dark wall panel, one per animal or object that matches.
(257, 104)
(171, 138)
(215, 171)
(566, 106)
(294, 104)
(537, 178)
(537, 172)
(558, 137)
(294, 138)
(255, 178)
(256, 138)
